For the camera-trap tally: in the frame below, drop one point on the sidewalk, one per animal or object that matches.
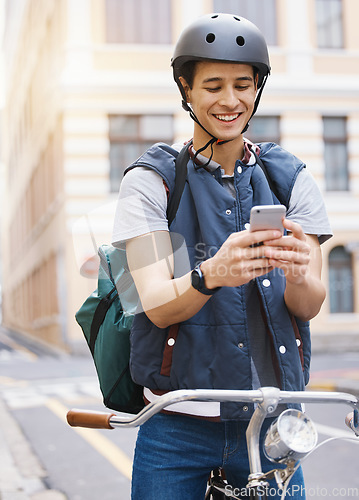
(22, 477)
(344, 380)
(341, 380)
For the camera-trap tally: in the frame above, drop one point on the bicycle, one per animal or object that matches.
(290, 438)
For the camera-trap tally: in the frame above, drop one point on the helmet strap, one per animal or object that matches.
(256, 103)
(209, 143)
(215, 140)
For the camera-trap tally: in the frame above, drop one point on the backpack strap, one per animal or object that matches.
(180, 181)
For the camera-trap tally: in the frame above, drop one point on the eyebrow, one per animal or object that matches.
(219, 79)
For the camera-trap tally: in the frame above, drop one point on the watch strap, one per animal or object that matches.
(197, 280)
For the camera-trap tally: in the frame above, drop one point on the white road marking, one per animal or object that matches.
(32, 393)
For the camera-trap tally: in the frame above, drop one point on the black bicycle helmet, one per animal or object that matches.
(223, 38)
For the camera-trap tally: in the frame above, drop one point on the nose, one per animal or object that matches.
(228, 97)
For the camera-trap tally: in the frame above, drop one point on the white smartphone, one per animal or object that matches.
(267, 217)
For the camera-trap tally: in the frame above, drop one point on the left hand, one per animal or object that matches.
(290, 253)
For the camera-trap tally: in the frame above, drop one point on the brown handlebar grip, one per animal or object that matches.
(91, 419)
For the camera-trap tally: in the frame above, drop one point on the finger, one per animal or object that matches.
(293, 270)
(295, 229)
(247, 238)
(259, 263)
(293, 257)
(244, 272)
(258, 271)
(249, 253)
(296, 232)
(289, 244)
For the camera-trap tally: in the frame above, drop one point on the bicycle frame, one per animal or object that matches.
(265, 398)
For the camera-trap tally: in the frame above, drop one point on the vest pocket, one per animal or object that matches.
(168, 350)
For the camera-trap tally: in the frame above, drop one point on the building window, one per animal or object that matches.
(264, 129)
(138, 21)
(335, 153)
(329, 24)
(340, 281)
(130, 136)
(262, 13)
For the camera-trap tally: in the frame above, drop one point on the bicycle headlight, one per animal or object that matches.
(290, 437)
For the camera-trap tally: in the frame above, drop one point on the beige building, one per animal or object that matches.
(89, 86)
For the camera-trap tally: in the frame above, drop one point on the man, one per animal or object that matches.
(238, 317)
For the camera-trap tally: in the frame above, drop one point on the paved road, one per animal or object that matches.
(37, 389)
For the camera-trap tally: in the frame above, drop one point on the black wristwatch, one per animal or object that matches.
(197, 280)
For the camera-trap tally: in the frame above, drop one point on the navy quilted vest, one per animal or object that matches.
(211, 349)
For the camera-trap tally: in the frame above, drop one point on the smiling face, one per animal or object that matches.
(222, 97)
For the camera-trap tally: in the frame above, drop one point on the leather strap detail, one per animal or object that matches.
(298, 339)
(168, 350)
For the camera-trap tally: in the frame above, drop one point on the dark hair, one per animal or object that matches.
(188, 69)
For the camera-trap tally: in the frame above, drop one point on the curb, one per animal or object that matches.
(37, 346)
(334, 342)
(349, 387)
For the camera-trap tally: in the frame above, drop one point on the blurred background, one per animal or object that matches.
(87, 86)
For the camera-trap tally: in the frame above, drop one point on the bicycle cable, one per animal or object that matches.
(312, 451)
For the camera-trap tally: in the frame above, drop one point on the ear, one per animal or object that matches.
(186, 88)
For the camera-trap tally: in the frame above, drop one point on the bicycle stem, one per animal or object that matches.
(271, 397)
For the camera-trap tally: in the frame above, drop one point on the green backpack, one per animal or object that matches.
(107, 314)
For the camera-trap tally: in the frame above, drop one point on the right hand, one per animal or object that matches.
(238, 261)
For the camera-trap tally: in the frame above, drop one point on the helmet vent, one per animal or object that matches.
(236, 18)
(210, 38)
(240, 41)
(215, 16)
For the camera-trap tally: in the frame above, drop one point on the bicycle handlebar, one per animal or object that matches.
(90, 419)
(269, 395)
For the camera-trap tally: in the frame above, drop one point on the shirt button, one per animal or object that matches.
(171, 342)
(245, 408)
(247, 226)
(298, 342)
(266, 283)
(239, 169)
(282, 349)
(228, 212)
(241, 345)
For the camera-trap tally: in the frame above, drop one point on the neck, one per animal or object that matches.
(225, 154)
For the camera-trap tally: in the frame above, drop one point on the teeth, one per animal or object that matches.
(227, 118)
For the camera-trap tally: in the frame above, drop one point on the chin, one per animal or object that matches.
(230, 137)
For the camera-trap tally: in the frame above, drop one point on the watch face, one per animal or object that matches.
(196, 279)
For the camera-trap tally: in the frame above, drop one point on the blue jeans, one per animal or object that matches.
(175, 454)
